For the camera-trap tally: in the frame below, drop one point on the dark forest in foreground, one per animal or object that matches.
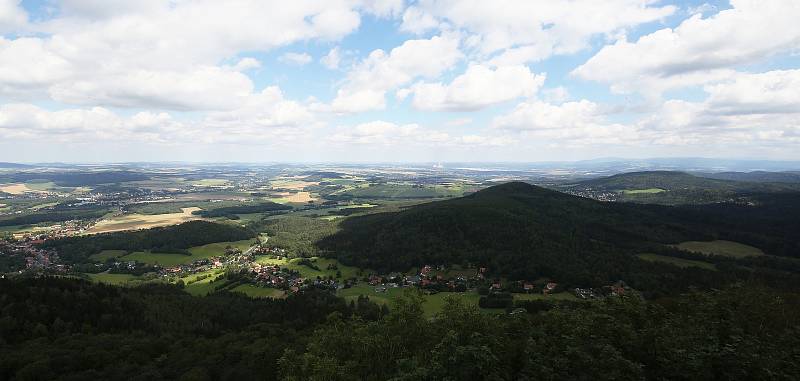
(66, 329)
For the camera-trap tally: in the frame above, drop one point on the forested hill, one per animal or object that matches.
(522, 231)
(667, 180)
(672, 180)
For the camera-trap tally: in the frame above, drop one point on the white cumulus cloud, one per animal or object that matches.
(700, 50)
(294, 58)
(479, 87)
(368, 81)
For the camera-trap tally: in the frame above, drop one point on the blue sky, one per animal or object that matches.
(394, 80)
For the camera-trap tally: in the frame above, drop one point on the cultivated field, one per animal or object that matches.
(296, 197)
(143, 221)
(291, 183)
(15, 189)
(719, 247)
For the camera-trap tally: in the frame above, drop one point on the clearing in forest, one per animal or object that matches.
(720, 247)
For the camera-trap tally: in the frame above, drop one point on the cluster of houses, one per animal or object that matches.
(269, 250)
(430, 278)
(274, 276)
(231, 256)
(34, 257)
(618, 288)
(599, 195)
(63, 229)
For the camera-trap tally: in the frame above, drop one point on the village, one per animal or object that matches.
(260, 265)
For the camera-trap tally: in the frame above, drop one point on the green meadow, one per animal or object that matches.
(115, 279)
(308, 272)
(434, 303)
(259, 292)
(201, 287)
(680, 262)
(431, 305)
(719, 247)
(106, 255)
(173, 259)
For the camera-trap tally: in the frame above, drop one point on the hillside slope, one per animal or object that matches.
(521, 231)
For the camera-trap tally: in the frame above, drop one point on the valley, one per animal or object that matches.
(375, 243)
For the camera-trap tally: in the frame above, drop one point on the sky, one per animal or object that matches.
(397, 80)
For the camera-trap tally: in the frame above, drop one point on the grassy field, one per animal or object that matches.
(142, 221)
(291, 183)
(538, 296)
(43, 186)
(218, 248)
(308, 272)
(246, 218)
(202, 287)
(680, 262)
(42, 206)
(106, 255)
(163, 259)
(259, 292)
(197, 252)
(726, 248)
(434, 303)
(115, 279)
(643, 191)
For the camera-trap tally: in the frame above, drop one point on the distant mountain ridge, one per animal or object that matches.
(14, 165)
(755, 176)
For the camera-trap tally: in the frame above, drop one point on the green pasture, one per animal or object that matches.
(308, 272)
(680, 262)
(115, 279)
(197, 252)
(720, 247)
(259, 292)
